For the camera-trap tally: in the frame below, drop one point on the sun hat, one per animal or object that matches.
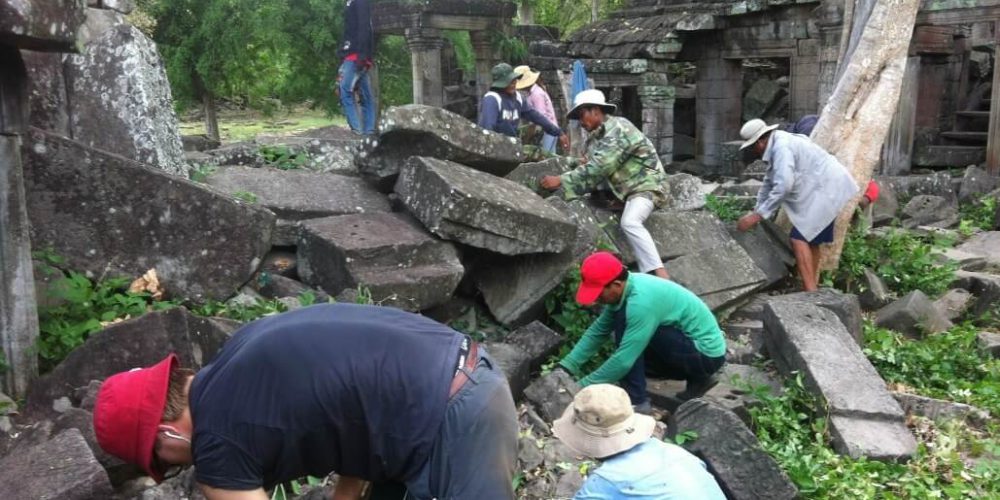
(601, 422)
(753, 129)
(128, 411)
(528, 77)
(502, 75)
(596, 271)
(591, 97)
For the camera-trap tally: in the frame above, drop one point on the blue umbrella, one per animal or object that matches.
(579, 82)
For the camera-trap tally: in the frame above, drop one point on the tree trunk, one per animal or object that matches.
(595, 7)
(526, 13)
(855, 121)
(211, 120)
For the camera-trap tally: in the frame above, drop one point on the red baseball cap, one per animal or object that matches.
(128, 412)
(597, 270)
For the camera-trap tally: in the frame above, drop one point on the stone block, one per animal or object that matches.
(677, 234)
(846, 306)
(989, 342)
(276, 286)
(537, 341)
(63, 468)
(392, 256)
(41, 24)
(975, 184)
(478, 209)
(876, 294)
(954, 303)
(886, 208)
(83, 421)
(109, 216)
(985, 245)
(913, 315)
(986, 288)
(938, 409)
(744, 340)
(731, 393)
(417, 130)
(514, 288)
(865, 419)
(514, 363)
(929, 210)
(530, 174)
(700, 273)
(301, 194)
(138, 342)
(759, 99)
(686, 192)
(909, 186)
(732, 453)
(326, 149)
(768, 247)
(552, 393)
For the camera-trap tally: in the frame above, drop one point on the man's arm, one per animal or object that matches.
(220, 494)
(489, 110)
(602, 160)
(640, 328)
(778, 182)
(591, 341)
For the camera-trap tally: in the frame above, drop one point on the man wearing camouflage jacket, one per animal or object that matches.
(621, 157)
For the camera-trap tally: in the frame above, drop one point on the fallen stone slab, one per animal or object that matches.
(537, 341)
(966, 261)
(914, 315)
(109, 216)
(328, 149)
(301, 194)
(246, 153)
(514, 363)
(732, 453)
(686, 192)
(137, 342)
(83, 421)
(846, 306)
(989, 342)
(417, 130)
(478, 209)
(985, 286)
(932, 211)
(399, 263)
(551, 394)
(514, 288)
(720, 276)
(910, 186)
(886, 208)
(985, 245)
(865, 420)
(875, 294)
(937, 409)
(954, 303)
(733, 391)
(759, 98)
(976, 182)
(530, 174)
(677, 234)
(769, 249)
(63, 468)
(744, 340)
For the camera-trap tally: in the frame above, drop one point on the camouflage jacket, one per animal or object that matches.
(621, 157)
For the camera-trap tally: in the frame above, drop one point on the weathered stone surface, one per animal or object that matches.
(46, 86)
(198, 143)
(276, 286)
(62, 468)
(417, 130)
(986, 288)
(990, 343)
(182, 487)
(975, 183)
(928, 210)
(677, 234)
(966, 261)
(913, 315)
(83, 421)
(937, 409)
(537, 341)
(886, 207)
(699, 272)
(109, 216)
(846, 306)
(301, 194)
(769, 249)
(954, 303)
(731, 393)
(480, 210)
(762, 94)
(875, 294)
(530, 174)
(865, 419)
(514, 363)
(985, 245)
(552, 393)
(687, 192)
(41, 24)
(909, 186)
(237, 153)
(119, 97)
(327, 149)
(733, 454)
(138, 342)
(744, 340)
(392, 256)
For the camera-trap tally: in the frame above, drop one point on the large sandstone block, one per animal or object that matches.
(865, 419)
(138, 342)
(478, 209)
(301, 194)
(530, 174)
(417, 130)
(929, 210)
(62, 468)
(768, 247)
(41, 24)
(720, 276)
(537, 341)
(913, 315)
(514, 363)
(110, 216)
(846, 306)
(985, 245)
(675, 233)
(394, 258)
(733, 454)
(552, 393)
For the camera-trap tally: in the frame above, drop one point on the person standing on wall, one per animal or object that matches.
(353, 78)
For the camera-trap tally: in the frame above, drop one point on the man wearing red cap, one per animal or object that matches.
(371, 393)
(659, 328)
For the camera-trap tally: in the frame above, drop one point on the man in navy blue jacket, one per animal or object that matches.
(358, 53)
(502, 108)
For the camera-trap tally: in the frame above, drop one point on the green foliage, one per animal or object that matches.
(903, 260)
(295, 487)
(570, 15)
(684, 437)
(572, 319)
(283, 157)
(462, 44)
(246, 196)
(394, 72)
(793, 428)
(201, 173)
(509, 49)
(240, 312)
(977, 215)
(728, 208)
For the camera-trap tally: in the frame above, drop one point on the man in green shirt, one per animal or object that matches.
(659, 328)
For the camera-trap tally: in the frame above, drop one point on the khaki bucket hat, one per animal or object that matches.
(752, 130)
(528, 77)
(600, 422)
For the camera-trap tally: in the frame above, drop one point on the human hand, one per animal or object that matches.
(748, 221)
(564, 142)
(551, 182)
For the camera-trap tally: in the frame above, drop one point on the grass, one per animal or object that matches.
(235, 126)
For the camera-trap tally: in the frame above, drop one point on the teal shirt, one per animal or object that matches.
(652, 302)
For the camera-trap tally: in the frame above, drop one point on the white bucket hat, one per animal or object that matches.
(752, 130)
(592, 97)
(600, 422)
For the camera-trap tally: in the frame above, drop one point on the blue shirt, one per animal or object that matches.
(501, 113)
(651, 470)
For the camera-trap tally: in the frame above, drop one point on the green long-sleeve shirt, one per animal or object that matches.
(651, 303)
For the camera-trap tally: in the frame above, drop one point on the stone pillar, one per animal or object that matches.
(993, 141)
(830, 25)
(485, 59)
(804, 80)
(657, 97)
(425, 55)
(718, 106)
(18, 315)
(897, 152)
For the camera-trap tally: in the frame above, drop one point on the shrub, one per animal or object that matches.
(728, 208)
(905, 262)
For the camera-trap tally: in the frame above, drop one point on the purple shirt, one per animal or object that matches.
(539, 100)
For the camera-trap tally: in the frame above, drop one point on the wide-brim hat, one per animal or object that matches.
(752, 130)
(591, 97)
(128, 412)
(600, 422)
(528, 77)
(502, 75)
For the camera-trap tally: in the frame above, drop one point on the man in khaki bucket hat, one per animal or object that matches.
(600, 424)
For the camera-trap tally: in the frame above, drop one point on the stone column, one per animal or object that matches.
(485, 59)
(657, 97)
(993, 141)
(425, 55)
(830, 25)
(804, 80)
(718, 107)
(18, 314)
